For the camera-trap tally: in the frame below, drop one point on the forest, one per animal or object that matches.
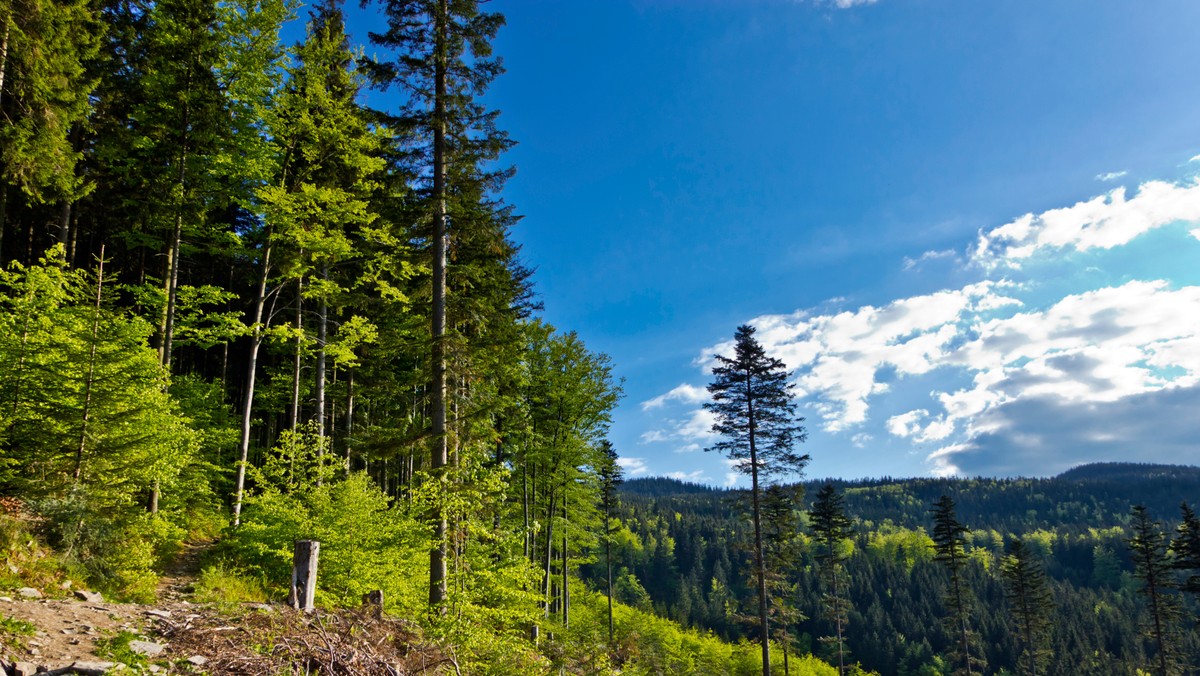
(242, 307)
(688, 555)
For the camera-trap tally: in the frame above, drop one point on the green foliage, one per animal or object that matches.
(116, 648)
(227, 585)
(12, 630)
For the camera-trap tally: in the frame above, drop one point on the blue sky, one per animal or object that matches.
(973, 228)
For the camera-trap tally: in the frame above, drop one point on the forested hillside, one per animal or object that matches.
(687, 554)
(237, 303)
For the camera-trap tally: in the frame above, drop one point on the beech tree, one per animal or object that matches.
(755, 413)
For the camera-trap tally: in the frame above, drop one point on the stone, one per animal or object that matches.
(29, 593)
(89, 596)
(24, 669)
(95, 668)
(65, 584)
(147, 648)
(197, 660)
(165, 614)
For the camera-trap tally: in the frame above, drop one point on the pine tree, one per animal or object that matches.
(756, 417)
(949, 549)
(830, 527)
(1029, 602)
(1152, 565)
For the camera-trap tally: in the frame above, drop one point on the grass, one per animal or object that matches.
(116, 648)
(226, 585)
(13, 630)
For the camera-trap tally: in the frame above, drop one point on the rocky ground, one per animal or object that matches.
(76, 636)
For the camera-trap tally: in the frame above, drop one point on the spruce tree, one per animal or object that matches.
(1148, 547)
(443, 58)
(1185, 549)
(949, 549)
(610, 475)
(755, 413)
(1029, 602)
(830, 527)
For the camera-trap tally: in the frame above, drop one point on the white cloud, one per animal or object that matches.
(1111, 176)
(697, 476)
(1195, 232)
(920, 426)
(846, 4)
(914, 263)
(633, 466)
(1103, 222)
(1195, 158)
(655, 436)
(688, 394)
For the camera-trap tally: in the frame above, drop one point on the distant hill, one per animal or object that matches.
(661, 486)
(1124, 471)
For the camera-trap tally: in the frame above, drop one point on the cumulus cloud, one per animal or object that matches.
(1014, 382)
(1111, 176)
(633, 466)
(688, 394)
(1102, 222)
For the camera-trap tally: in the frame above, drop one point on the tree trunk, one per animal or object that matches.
(760, 565)
(256, 339)
(438, 452)
(91, 374)
(294, 412)
(566, 587)
(322, 333)
(608, 566)
(349, 415)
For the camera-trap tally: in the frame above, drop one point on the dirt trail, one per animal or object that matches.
(67, 629)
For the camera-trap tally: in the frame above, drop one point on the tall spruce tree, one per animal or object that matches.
(1028, 597)
(609, 473)
(756, 419)
(830, 527)
(950, 550)
(443, 59)
(1148, 547)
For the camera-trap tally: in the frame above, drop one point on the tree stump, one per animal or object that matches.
(304, 574)
(374, 600)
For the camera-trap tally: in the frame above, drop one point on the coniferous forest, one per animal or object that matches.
(241, 307)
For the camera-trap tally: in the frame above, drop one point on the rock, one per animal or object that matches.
(89, 596)
(6, 599)
(29, 593)
(159, 613)
(24, 669)
(94, 668)
(65, 584)
(147, 648)
(197, 660)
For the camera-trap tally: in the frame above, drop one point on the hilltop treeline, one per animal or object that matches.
(687, 555)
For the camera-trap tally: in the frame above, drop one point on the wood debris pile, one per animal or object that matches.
(275, 640)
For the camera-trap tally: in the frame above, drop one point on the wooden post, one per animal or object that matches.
(304, 574)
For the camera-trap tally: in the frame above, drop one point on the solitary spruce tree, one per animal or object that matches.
(756, 418)
(610, 476)
(1028, 601)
